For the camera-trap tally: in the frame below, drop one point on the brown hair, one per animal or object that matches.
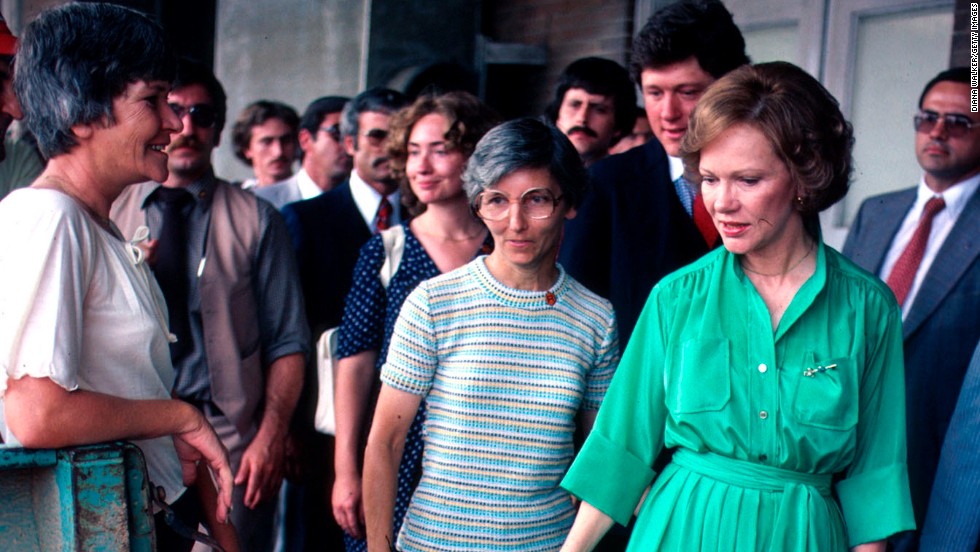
(798, 116)
(469, 119)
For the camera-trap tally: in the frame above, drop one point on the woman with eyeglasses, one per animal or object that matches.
(430, 142)
(508, 353)
(771, 367)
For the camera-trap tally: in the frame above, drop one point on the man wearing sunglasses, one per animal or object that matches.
(223, 261)
(922, 242)
(325, 162)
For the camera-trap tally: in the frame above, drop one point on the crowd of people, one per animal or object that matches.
(604, 328)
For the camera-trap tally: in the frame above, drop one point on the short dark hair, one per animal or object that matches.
(375, 100)
(256, 114)
(703, 29)
(469, 119)
(598, 76)
(318, 109)
(955, 74)
(526, 143)
(190, 71)
(799, 117)
(73, 60)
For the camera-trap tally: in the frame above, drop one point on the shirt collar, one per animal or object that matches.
(307, 188)
(201, 189)
(955, 197)
(804, 297)
(676, 167)
(367, 198)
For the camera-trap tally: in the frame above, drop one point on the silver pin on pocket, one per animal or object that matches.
(810, 372)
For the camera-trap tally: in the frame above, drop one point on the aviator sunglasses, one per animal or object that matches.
(202, 115)
(956, 125)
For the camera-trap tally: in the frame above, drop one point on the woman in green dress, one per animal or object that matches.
(771, 367)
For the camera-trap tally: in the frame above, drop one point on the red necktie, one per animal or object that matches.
(903, 273)
(383, 220)
(703, 221)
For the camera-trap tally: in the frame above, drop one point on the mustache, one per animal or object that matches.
(584, 130)
(186, 142)
(378, 162)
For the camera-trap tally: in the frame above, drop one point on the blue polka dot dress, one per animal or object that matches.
(370, 312)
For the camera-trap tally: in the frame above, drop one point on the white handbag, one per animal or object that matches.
(326, 346)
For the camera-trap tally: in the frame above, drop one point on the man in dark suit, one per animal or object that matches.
(922, 241)
(953, 523)
(641, 221)
(328, 232)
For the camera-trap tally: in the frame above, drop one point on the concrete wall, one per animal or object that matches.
(568, 29)
(293, 51)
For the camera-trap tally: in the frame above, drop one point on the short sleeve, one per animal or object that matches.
(279, 295)
(412, 354)
(874, 495)
(614, 466)
(362, 326)
(602, 371)
(45, 250)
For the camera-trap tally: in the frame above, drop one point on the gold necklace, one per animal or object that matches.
(787, 271)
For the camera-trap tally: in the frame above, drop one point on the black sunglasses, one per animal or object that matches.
(202, 115)
(332, 131)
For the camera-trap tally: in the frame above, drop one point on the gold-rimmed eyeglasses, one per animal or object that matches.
(536, 203)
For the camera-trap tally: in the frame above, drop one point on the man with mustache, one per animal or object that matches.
(264, 137)
(640, 220)
(328, 232)
(593, 106)
(223, 262)
(922, 242)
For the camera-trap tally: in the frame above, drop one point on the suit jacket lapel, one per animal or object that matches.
(888, 218)
(954, 258)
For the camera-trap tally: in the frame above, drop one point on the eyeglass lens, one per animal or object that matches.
(202, 115)
(333, 131)
(376, 135)
(955, 125)
(536, 203)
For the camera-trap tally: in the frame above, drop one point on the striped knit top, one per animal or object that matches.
(504, 374)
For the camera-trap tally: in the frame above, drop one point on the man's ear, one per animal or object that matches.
(350, 145)
(305, 139)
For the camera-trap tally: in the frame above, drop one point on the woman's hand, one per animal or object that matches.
(589, 527)
(348, 509)
(877, 546)
(199, 442)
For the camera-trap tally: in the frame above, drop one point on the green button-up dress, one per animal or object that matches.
(786, 440)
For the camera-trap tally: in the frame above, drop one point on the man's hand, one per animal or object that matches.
(262, 468)
(201, 443)
(348, 509)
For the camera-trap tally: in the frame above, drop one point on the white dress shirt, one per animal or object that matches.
(956, 198)
(368, 199)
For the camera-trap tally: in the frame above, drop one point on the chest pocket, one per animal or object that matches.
(826, 393)
(700, 378)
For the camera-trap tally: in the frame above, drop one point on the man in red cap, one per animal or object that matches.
(9, 108)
